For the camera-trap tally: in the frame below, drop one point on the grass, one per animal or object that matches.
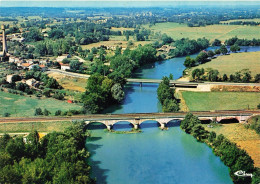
(246, 139)
(70, 83)
(211, 32)
(39, 126)
(22, 106)
(205, 101)
(229, 64)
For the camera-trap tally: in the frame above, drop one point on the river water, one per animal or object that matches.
(153, 156)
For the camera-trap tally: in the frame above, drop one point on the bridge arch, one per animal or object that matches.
(96, 125)
(123, 124)
(148, 123)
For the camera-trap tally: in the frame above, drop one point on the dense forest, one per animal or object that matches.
(58, 157)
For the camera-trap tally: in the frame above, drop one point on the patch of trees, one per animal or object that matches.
(242, 42)
(58, 157)
(248, 23)
(100, 93)
(186, 46)
(33, 35)
(165, 95)
(230, 154)
(243, 76)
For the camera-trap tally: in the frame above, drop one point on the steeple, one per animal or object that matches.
(4, 40)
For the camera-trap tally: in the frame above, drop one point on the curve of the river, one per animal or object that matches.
(153, 156)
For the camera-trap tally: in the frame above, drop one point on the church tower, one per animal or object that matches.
(5, 51)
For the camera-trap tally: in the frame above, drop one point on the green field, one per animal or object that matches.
(205, 101)
(21, 106)
(229, 64)
(245, 20)
(39, 126)
(222, 32)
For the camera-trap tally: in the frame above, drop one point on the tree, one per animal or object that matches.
(38, 112)
(58, 113)
(212, 136)
(46, 112)
(189, 62)
(225, 77)
(213, 75)
(211, 53)
(199, 132)
(247, 76)
(189, 122)
(75, 65)
(234, 48)
(56, 34)
(170, 105)
(16, 78)
(223, 50)
(216, 43)
(202, 58)
(117, 92)
(217, 51)
(257, 78)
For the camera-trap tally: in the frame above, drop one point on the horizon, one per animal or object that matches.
(122, 3)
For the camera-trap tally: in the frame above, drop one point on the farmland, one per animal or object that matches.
(211, 32)
(205, 101)
(22, 106)
(229, 64)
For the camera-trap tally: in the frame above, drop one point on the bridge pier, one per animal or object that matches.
(163, 125)
(109, 127)
(141, 84)
(136, 126)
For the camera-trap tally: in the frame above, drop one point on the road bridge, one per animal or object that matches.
(136, 119)
(187, 84)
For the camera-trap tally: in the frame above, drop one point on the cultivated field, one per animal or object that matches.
(205, 101)
(222, 32)
(229, 64)
(22, 106)
(246, 139)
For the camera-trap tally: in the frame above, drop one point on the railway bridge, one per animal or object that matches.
(163, 118)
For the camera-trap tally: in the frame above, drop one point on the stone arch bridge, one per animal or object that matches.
(163, 118)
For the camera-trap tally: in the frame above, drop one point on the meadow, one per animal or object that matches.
(23, 106)
(206, 101)
(211, 32)
(229, 64)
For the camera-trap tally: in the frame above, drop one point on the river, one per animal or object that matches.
(153, 156)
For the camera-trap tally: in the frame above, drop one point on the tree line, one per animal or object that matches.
(165, 95)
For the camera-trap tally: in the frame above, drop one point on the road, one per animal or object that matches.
(175, 82)
(128, 116)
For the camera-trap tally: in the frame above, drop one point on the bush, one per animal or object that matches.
(38, 112)
(6, 114)
(58, 113)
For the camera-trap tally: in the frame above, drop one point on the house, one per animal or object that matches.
(31, 82)
(64, 56)
(9, 78)
(25, 65)
(166, 48)
(43, 67)
(64, 66)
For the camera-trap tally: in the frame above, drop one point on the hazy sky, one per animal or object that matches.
(128, 0)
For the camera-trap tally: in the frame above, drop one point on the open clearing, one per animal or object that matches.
(211, 32)
(22, 106)
(245, 20)
(70, 83)
(246, 139)
(205, 101)
(229, 64)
